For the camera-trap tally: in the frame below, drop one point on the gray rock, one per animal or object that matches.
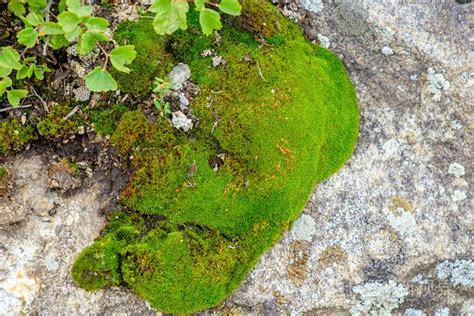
(181, 121)
(179, 75)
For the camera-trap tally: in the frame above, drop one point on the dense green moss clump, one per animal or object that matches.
(202, 207)
(14, 136)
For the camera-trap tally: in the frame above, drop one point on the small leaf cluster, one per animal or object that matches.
(75, 23)
(171, 15)
(161, 90)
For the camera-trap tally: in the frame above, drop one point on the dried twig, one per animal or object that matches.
(260, 72)
(45, 105)
(73, 111)
(15, 108)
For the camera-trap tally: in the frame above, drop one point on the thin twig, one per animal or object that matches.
(106, 56)
(15, 108)
(70, 114)
(260, 72)
(45, 105)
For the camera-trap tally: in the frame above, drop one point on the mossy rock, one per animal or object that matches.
(202, 207)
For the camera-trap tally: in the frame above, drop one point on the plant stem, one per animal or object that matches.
(104, 66)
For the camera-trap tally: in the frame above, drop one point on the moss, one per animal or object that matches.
(105, 120)
(14, 136)
(3, 172)
(283, 117)
(54, 125)
(152, 60)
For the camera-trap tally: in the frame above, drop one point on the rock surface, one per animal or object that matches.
(389, 232)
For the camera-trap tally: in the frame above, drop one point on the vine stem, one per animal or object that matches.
(104, 66)
(46, 17)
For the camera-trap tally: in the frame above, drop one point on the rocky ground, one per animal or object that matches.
(391, 232)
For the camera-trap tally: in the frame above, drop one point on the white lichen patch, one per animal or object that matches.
(403, 222)
(378, 298)
(304, 228)
(459, 272)
(323, 40)
(458, 195)
(387, 51)
(436, 84)
(413, 312)
(442, 312)
(456, 169)
(314, 6)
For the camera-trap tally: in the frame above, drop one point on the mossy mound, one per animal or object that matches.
(203, 206)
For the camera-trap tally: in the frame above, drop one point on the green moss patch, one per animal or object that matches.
(14, 136)
(203, 206)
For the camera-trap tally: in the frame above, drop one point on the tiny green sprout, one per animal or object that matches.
(162, 89)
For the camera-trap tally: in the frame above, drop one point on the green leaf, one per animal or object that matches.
(89, 41)
(4, 84)
(71, 36)
(9, 58)
(121, 56)
(14, 96)
(5, 72)
(199, 4)
(62, 6)
(77, 8)
(16, 7)
(51, 28)
(57, 41)
(210, 20)
(96, 24)
(39, 71)
(34, 18)
(170, 16)
(37, 5)
(231, 7)
(100, 80)
(27, 37)
(69, 21)
(24, 72)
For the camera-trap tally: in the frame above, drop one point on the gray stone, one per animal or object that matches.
(179, 75)
(181, 121)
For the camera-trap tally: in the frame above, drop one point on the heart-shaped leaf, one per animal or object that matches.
(170, 16)
(89, 41)
(4, 84)
(99, 80)
(77, 8)
(51, 28)
(34, 18)
(16, 7)
(14, 96)
(210, 21)
(96, 24)
(9, 58)
(121, 56)
(231, 7)
(27, 37)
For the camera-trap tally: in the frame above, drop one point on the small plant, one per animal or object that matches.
(161, 90)
(74, 24)
(171, 14)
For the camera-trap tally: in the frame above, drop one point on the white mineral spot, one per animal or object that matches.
(387, 51)
(304, 228)
(403, 222)
(377, 298)
(456, 169)
(413, 312)
(391, 147)
(414, 77)
(442, 312)
(436, 84)
(314, 6)
(455, 124)
(458, 195)
(324, 40)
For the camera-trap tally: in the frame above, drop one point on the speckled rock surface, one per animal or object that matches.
(391, 232)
